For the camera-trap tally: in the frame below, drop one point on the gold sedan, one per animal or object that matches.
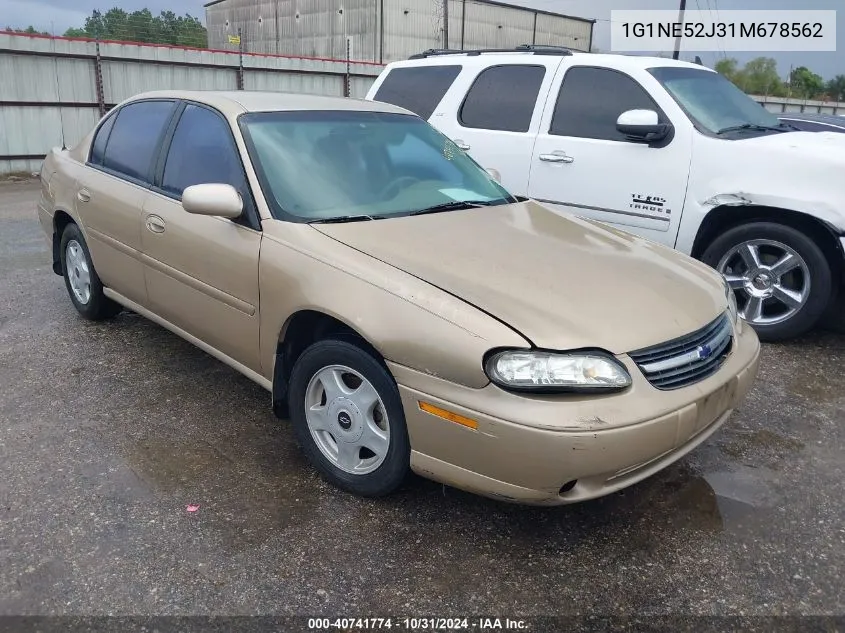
(405, 311)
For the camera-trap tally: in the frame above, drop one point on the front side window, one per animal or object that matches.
(503, 98)
(132, 144)
(418, 89)
(590, 101)
(715, 104)
(202, 152)
(318, 165)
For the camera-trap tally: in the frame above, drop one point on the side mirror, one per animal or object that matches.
(642, 125)
(495, 175)
(220, 200)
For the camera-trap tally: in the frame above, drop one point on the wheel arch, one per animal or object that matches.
(61, 219)
(300, 330)
(723, 218)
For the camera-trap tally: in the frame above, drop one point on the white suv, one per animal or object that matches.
(668, 150)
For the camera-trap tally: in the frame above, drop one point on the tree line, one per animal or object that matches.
(760, 77)
(138, 26)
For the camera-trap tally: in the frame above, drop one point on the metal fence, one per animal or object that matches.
(779, 105)
(55, 89)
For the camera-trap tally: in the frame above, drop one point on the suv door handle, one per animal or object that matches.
(155, 224)
(464, 147)
(83, 195)
(557, 157)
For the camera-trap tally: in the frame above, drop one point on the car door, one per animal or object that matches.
(112, 188)
(202, 271)
(495, 114)
(582, 164)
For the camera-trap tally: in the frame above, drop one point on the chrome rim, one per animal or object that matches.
(78, 272)
(347, 419)
(770, 279)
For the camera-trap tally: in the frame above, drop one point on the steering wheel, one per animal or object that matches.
(397, 186)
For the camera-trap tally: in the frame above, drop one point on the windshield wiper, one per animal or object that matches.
(753, 126)
(348, 218)
(455, 205)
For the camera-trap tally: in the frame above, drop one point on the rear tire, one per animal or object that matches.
(782, 279)
(81, 280)
(348, 417)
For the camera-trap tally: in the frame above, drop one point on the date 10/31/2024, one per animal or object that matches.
(418, 624)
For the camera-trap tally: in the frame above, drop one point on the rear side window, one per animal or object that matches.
(202, 151)
(98, 150)
(133, 141)
(503, 98)
(591, 100)
(417, 89)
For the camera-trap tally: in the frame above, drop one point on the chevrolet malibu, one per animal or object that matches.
(402, 308)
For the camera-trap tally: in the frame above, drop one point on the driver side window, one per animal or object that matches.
(202, 152)
(591, 100)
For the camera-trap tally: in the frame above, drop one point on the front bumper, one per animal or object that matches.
(526, 448)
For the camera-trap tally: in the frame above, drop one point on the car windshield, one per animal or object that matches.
(343, 165)
(715, 104)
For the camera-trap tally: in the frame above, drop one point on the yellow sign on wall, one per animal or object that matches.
(234, 39)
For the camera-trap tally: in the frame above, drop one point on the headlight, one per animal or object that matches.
(731, 297)
(550, 372)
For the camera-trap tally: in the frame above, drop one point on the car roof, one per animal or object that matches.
(490, 58)
(816, 118)
(237, 102)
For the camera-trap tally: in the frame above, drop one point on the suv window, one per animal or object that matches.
(417, 89)
(591, 100)
(202, 151)
(98, 149)
(503, 98)
(132, 144)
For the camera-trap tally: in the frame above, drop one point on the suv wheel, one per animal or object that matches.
(782, 279)
(81, 279)
(348, 418)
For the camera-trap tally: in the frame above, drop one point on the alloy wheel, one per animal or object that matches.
(770, 279)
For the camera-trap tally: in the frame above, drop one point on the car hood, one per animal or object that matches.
(562, 282)
(814, 146)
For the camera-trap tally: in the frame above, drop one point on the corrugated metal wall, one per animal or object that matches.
(49, 88)
(319, 28)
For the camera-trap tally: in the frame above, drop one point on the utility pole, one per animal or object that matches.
(446, 24)
(681, 14)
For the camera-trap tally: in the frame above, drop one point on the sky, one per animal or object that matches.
(58, 15)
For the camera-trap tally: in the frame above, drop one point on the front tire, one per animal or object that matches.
(81, 279)
(348, 418)
(782, 279)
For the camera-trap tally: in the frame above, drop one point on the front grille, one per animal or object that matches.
(689, 359)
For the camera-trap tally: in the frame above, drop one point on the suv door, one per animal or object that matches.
(202, 271)
(112, 189)
(582, 164)
(494, 115)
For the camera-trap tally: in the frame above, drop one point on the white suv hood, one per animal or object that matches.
(797, 171)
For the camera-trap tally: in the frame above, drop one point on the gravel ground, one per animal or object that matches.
(108, 431)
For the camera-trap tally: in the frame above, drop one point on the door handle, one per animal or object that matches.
(155, 224)
(557, 157)
(83, 195)
(461, 145)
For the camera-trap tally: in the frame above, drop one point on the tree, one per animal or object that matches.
(836, 88)
(762, 78)
(805, 83)
(729, 68)
(143, 26)
(30, 30)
